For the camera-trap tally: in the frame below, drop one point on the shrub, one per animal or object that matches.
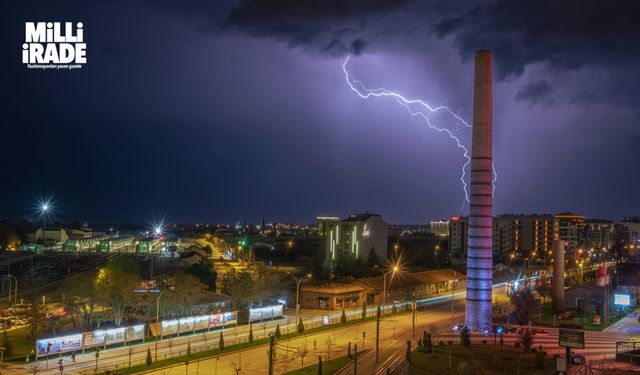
(343, 317)
(465, 336)
(149, 359)
(300, 326)
(277, 333)
(527, 340)
(221, 342)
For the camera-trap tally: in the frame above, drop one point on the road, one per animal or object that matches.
(290, 354)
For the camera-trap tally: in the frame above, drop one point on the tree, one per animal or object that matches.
(319, 365)
(205, 272)
(221, 342)
(187, 290)
(343, 317)
(427, 344)
(277, 332)
(523, 306)
(544, 289)
(36, 320)
(527, 340)
(465, 336)
(80, 299)
(250, 333)
(240, 287)
(115, 284)
(364, 310)
(372, 258)
(300, 326)
(149, 359)
(271, 283)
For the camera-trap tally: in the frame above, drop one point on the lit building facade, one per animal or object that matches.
(440, 227)
(323, 223)
(598, 234)
(571, 230)
(353, 239)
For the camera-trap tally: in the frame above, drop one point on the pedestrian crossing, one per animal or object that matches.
(599, 345)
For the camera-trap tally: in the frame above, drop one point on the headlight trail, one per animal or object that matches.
(423, 110)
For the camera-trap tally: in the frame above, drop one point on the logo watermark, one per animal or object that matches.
(54, 45)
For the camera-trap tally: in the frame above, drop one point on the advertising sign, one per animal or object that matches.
(133, 333)
(93, 339)
(571, 339)
(268, 312)
(57, 345)
(170, 327)
(114, 336)
(231, 317)
(622, 299)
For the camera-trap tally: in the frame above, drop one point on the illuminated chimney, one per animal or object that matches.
(480, 249)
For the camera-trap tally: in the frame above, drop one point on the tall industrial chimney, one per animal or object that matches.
(480, 249)
(557, 283)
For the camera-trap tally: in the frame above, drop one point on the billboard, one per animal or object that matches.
(57, 345)
(571, 339)
(133, 333)
(268, 312)
(622, 299)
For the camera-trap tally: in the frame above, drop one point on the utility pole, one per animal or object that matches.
(413, 321)
(355, 359)
(377, 333)
(271, 344)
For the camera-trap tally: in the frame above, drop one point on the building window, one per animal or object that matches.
(323, 302)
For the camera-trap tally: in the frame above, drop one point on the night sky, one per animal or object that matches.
(223, 111)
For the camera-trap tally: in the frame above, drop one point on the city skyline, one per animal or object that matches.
(211, 113)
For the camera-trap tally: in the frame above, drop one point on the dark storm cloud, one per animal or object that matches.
(329, 26)
(566, 34)
(535, 92)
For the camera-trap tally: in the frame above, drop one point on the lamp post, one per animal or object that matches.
(15, 292)
(45, 209)
(298, 282)
(453, 292)
(158, 321)
(384, 281)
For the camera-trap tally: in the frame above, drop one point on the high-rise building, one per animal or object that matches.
(598, 234)
(354, 238)
(571, 230)
(323, 222)
(524, 236)
(440, 227)
(458, 237)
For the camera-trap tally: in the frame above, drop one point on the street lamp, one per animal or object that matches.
(158, 320)
(298, 281)
(44, 209)
(15, 293)
(393, 270)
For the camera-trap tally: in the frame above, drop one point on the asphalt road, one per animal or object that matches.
(293, 353)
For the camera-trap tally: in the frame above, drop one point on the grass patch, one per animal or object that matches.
(585, 320)
(328, 368)
(482, 359)
(20, 343)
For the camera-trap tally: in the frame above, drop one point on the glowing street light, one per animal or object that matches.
(44, 206)
(298, 281)
(394, 269)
